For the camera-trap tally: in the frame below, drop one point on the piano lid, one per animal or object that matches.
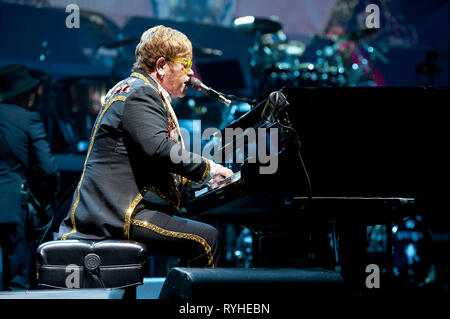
(373, 141)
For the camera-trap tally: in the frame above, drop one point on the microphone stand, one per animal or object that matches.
(240, 99)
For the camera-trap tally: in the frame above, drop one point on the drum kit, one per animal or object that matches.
(276, 62)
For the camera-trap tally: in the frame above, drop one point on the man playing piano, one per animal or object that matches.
(130, 188)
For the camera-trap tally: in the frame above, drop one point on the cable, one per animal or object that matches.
(297, 139)
(308, 180)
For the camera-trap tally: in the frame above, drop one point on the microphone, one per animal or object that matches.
(199, 86)
(274, 104)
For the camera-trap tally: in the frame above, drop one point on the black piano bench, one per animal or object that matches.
(73, 263)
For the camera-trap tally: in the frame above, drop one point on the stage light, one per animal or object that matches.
(244, 20)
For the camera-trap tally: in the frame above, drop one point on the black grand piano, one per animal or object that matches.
(347, 158)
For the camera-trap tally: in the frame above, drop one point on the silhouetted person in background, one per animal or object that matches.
(25, 159)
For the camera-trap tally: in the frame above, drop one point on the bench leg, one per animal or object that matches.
(130, 293)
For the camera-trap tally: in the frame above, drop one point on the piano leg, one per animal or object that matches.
(352, 243)
(352, 239)
(305, 247)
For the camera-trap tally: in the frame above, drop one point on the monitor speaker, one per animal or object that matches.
(256, 283)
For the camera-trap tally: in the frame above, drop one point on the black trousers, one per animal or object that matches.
(18, 249)
(196, 244)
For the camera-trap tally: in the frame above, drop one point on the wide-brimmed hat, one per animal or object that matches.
(15, 79)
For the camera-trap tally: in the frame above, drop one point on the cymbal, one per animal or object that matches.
(206, 52)
(253, 25)
(291, 47)
(120, 43)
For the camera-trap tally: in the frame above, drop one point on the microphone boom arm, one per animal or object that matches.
(223, 98)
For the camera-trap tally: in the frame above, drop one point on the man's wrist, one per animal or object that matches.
(212, 170)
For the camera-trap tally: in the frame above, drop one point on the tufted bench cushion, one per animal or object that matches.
(90, 264)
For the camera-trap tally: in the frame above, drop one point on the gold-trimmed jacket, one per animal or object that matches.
(128, 165)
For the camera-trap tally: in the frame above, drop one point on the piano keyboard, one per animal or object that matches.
(229, 180)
